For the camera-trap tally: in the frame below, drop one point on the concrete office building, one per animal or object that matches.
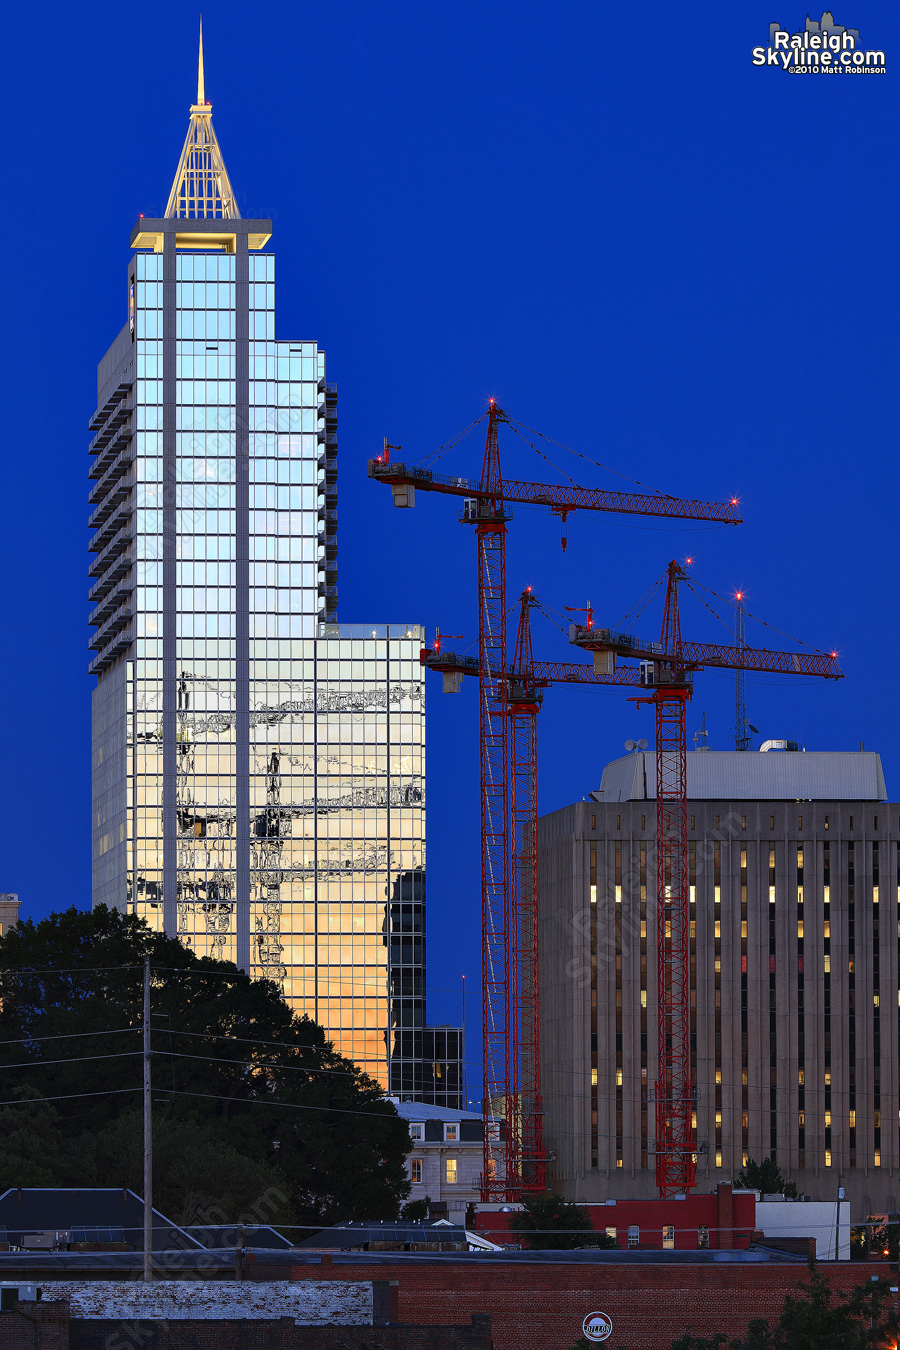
(794, 952)
(9, 911)
(258, 768)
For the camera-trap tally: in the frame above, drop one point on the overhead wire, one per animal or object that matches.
(71, 1059)
(62, 970)
(67, 1036)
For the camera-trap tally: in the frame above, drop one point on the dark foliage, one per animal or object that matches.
(550, 1223)
(818, 1318)
(226, 1049)
(766, 1178)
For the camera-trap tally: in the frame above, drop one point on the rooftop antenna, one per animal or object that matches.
(742, 738)
(702, 735)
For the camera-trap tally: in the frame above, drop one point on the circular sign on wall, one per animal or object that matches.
(597, 1326)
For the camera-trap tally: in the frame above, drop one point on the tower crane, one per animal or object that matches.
(485, 507)
(667, 669)
(519, 1155)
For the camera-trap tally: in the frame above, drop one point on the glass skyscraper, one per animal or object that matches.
(258, 768)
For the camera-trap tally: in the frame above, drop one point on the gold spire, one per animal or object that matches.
(201, 188)
(201, 96)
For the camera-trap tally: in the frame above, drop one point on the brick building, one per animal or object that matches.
(538, 1300)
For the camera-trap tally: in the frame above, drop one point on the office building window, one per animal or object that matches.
(450, 1171)
(415, 1171)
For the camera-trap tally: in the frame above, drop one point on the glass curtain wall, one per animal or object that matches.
(317, 868)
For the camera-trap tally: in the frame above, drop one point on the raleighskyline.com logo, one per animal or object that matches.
(820, 47)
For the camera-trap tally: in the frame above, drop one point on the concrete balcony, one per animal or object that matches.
(118, 595)
(117, 522)
(118, 465)
(111, 548)
(113, 626)
(117, 491)
(118, 647)
(103, 413)
(119, 565)
(111, 452)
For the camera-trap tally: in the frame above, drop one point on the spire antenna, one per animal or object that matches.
(201, 93)
(201, 189)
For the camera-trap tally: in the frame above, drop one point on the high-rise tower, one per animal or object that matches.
(258, 768)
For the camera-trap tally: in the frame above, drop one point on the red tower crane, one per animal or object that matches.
(485, 507)
(524, 705)
(667, 668)
(520, 1151)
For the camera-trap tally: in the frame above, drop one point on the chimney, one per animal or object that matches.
(725, 1215)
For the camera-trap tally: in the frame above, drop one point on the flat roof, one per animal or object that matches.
(743, 776)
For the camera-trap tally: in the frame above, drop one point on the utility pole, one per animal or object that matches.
(148, 1134)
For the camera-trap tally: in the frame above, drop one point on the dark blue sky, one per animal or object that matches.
(675, 262)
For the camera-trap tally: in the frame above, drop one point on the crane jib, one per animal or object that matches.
(558, 497)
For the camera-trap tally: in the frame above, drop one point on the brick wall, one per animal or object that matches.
(35, 1326)
(282, 1334)
(541, 1306)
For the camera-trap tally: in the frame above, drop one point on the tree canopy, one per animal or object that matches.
(549, 1222)
(766, 1178)
(818, 1317)
(247, 1095)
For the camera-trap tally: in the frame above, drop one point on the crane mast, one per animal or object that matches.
(500, 1060)
(675, 1095)
(506, 1173)
(667, 669)
(524, 705)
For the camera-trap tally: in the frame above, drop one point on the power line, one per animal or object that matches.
(71, 1059)
(68, 1035)
(64, 970)
(68, 1096)
(286, 1106)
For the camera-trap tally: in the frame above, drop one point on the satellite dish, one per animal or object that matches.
(642, 745)
(629, 745)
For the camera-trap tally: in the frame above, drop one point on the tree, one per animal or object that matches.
(416, 1210)
(549, 1221)
(766, 1178)
(884, 1238)
(198, 1174)
(233, 1069)
(818, 1318)
(30, 1137)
